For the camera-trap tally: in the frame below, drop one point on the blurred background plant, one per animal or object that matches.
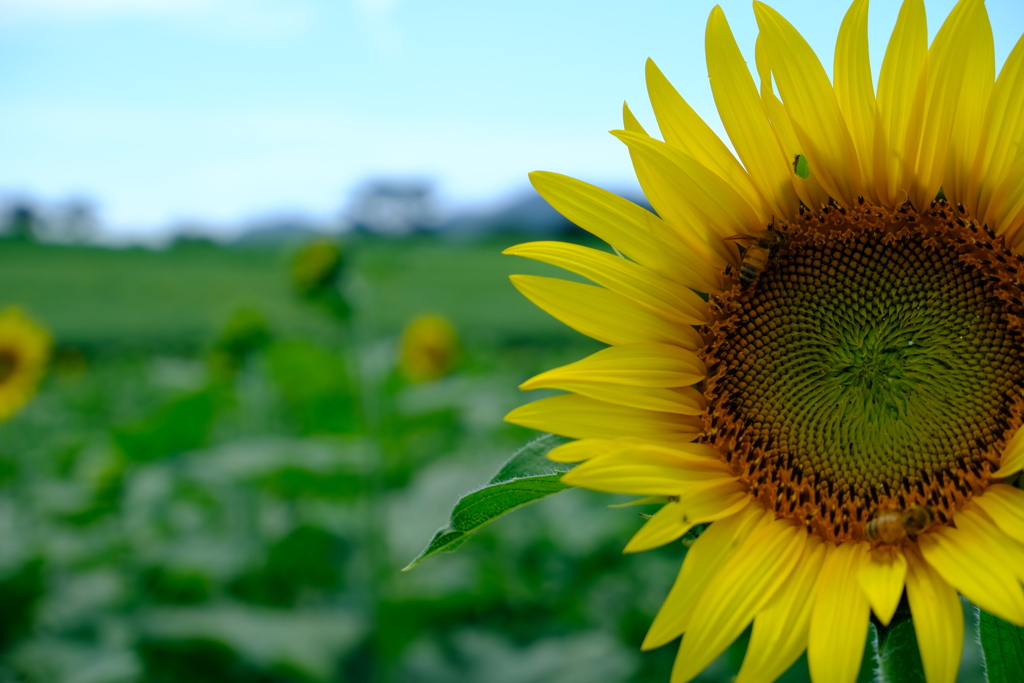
(430, 348)
(24, 351)
(316, 271)
(221, 476)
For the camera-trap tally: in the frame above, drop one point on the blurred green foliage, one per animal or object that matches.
(221, 480)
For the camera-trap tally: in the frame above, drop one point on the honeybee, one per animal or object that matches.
(765, 245)
(892, 526)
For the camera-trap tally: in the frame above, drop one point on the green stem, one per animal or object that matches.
(897, 654)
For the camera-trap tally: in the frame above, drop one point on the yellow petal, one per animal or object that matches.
(603, 315)
(811, 104)
(900, 104)
(948, 58)
(684, 401)
(644, 500)
(638, 365)
(580, 417)
(630, 122)
(679, 217)
(971, 111)
(584, 449)
(648, 183)
(696, 197)
(1012, 460)
(974, 521)
(881, 578)
(703, 561)
(780, 631)
(968, 563)
(808, 189)
(697, 504)
(854, 88)
(747, 581)
(632, 229)
(683, 129)
(661, 295)
(839, 621)
(651, 471)
(1005, 505)
(1002, 134)
(1005, 213)
(744, 119)
(938, 620)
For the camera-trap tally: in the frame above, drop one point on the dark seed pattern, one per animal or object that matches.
(876, 363)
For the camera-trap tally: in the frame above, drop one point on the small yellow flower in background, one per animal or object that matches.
(316, 266)
(24, 351)
(430, 348)
(846, 405)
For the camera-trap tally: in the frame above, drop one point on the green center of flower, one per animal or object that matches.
(875, 363)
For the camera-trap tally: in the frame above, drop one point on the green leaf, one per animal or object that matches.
(527, 476)
(897, 655)
(801, 167)
(316, 387)
(1003, 645)
(181, 424)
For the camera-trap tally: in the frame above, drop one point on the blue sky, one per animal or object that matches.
(171, 111)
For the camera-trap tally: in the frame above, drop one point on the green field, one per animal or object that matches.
(178, 297)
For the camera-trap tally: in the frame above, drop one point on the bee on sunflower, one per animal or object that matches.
(842, 402)
(24, 351)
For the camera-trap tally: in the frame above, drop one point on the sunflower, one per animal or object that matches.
(24, 350)
(429, 348)
(817, 347)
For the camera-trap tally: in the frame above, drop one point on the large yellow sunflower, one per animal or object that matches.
(24, 350)
(845, 403)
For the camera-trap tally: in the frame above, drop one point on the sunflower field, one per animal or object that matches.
(225, 488)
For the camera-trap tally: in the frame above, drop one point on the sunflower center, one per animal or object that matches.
(8, 363)
(875, 363)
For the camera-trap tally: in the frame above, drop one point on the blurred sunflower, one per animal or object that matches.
(845, 406)
(317, 274)
(316, 267)
(429, 349)
(24, 350)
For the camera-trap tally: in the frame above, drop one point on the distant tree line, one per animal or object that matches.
(71, 222)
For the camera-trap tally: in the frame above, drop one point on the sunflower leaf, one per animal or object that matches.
(897, 654)
(1003, 645)
(527, 476)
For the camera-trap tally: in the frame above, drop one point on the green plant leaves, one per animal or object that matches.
(1003, 645)
(316, 387)
(898, 656)
(181, 424)
(527, 476)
